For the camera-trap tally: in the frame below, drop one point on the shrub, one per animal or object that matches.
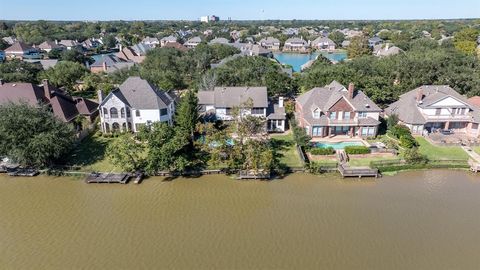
(322, 151)
(407, 141)
(357, 150)
(400, 130)
(413, 156)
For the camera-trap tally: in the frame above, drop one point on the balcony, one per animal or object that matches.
(343, 122)
(447, 117)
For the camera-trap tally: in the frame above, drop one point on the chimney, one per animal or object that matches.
(46, 89)
(280, 102)
(351, 90)
(100, 96)
(419, 95)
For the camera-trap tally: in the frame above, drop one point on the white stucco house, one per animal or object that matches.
(133, 104)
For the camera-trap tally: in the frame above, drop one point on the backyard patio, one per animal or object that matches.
(451, 138)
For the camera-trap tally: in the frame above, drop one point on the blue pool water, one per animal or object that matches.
(296, 60)
(336, 146)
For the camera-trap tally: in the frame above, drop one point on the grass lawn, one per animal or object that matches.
(285, 147)
(434, 152)
(476, 149)
(365, 162)
(90, 155)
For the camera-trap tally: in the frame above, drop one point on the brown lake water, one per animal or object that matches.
(414, 220)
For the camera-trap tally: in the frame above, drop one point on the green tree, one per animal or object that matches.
(32, 136)
(186, 118)
(466, 40)
(64, 74)
(75, 56)
(109, 41)
(337, 37)
(358, 47)
(165, 148)
(126, 153)
(19, 71)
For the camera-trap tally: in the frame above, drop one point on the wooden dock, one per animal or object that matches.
(474, 165)
(107, 178)
(261, 174)
(138, 178)
(359, 172)
(23, 172)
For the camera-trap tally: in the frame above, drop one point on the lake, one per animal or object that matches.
(414, 220)
(296, 60)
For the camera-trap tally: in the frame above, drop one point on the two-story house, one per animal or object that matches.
(193, 42)
(270, 43)
(337, 110)
(296, 45)
(221, 103)
(436, 107)
(323, 44)
(133, 104)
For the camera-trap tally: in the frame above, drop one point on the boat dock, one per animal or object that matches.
(253, 174)
(359, 172)
(23, 172)
(107, 178)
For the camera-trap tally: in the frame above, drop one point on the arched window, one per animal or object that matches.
(122, 112)
(115, 127)
(128, 112)
(124, 127)
(113, 113)
(105, 112)
(129, 126)
(107, 128)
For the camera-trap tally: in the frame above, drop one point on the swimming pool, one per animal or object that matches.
(336, 145)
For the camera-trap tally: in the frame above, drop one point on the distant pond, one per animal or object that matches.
(296, 60)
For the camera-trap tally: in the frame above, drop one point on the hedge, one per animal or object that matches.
(357, 150)
(322, 151)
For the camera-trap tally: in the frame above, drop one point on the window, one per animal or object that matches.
(316, 113)
(333, 115)
(228, 111)
(105, 112)
(257, 110)
(368, 131)
(128, 112)
(346, 115)
(474, 126)
(317, 131)
(163, 112)
(122, 112)
(362, 115)
(113, 113)
(462, 111)
(438, 111)
(115, 127)
(137, 113)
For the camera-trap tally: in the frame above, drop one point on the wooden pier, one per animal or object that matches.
(359, 172)
(23, 172)
(107, 178)
(260, 174)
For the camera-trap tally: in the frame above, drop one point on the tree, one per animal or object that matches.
(165, 148)
(466, 40)
(187, 115)
(32, 136)
(64, 74)
(337, 37)
(19, 71)
(358, 47)
(126, 153)
(109, 41)
(75, 56)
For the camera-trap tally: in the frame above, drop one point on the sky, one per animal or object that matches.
(237, 9)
